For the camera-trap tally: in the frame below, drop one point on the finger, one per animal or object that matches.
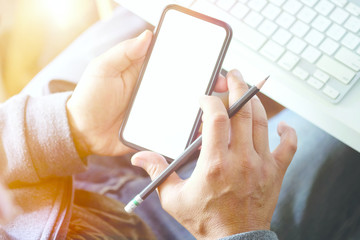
(260, 126)
(221, 84)
(215, 131)
(154, 164)
(125, 53)
(241, 122)
(284, 153)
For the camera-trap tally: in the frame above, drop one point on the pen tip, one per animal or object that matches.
(260, 84)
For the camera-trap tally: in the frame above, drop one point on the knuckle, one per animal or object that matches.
(260, 122)
(250, 161)
(292, 146)
(218, 118)
(291, 140)
(247, 165)
(240, 86)
(214, 171)
(244, 114)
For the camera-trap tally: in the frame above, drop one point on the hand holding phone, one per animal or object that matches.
(97, 107)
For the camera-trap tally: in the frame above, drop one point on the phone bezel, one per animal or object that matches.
(210, 87)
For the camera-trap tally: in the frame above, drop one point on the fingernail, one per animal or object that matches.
(142, 35)
(235, 73)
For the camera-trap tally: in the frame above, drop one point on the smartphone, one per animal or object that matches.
(182, 64)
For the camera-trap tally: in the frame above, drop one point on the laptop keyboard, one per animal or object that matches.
(318, 41)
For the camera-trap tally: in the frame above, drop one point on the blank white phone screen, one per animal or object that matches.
(177, 75)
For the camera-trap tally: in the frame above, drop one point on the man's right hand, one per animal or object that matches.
(236, 183)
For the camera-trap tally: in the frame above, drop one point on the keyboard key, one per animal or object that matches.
(340, 3)
(311, 54)
(248, 36)
(242, 32)
(272, 50)
(320, 75)
(292, 6)
(339, 15)
(300, 73)
(336, 69)
(335, 32)
(310, 3)
(314, 37)
(296, 45)
(321, 23)
(329, 46)
(271, 11)
(299, 29)
(331, 92)
(350, 40)
(358, 50)
(267, 27)
(288, 60)
(348, 58)
(277, 2)
(315, 83)
(324, 7)
(185, 3)
(285, 20)
(353, 8)
(257, 5)
(353, 24)
(281, 36)
(225, 4)
(253, 19)
(306, 14)
(239, 10)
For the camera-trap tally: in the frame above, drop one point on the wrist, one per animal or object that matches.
(221, 229)
(78, 136)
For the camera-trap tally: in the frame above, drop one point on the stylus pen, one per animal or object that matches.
(192, 148)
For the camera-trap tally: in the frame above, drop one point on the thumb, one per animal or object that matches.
(284, 153)
(154, 164)
(139, 46)
(125, 53)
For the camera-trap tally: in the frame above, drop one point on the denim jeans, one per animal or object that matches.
(319, 199)
(320, 195)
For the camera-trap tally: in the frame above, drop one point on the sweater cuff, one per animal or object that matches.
(49, 137)
(259, 235)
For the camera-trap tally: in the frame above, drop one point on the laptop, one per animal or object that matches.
(311, 49)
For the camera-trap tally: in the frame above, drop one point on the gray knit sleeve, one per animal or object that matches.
(36, 141)
(253, 235)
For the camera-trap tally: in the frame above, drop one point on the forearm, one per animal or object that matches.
(36, 141)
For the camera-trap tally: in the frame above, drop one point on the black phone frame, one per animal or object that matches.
(214, 76)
